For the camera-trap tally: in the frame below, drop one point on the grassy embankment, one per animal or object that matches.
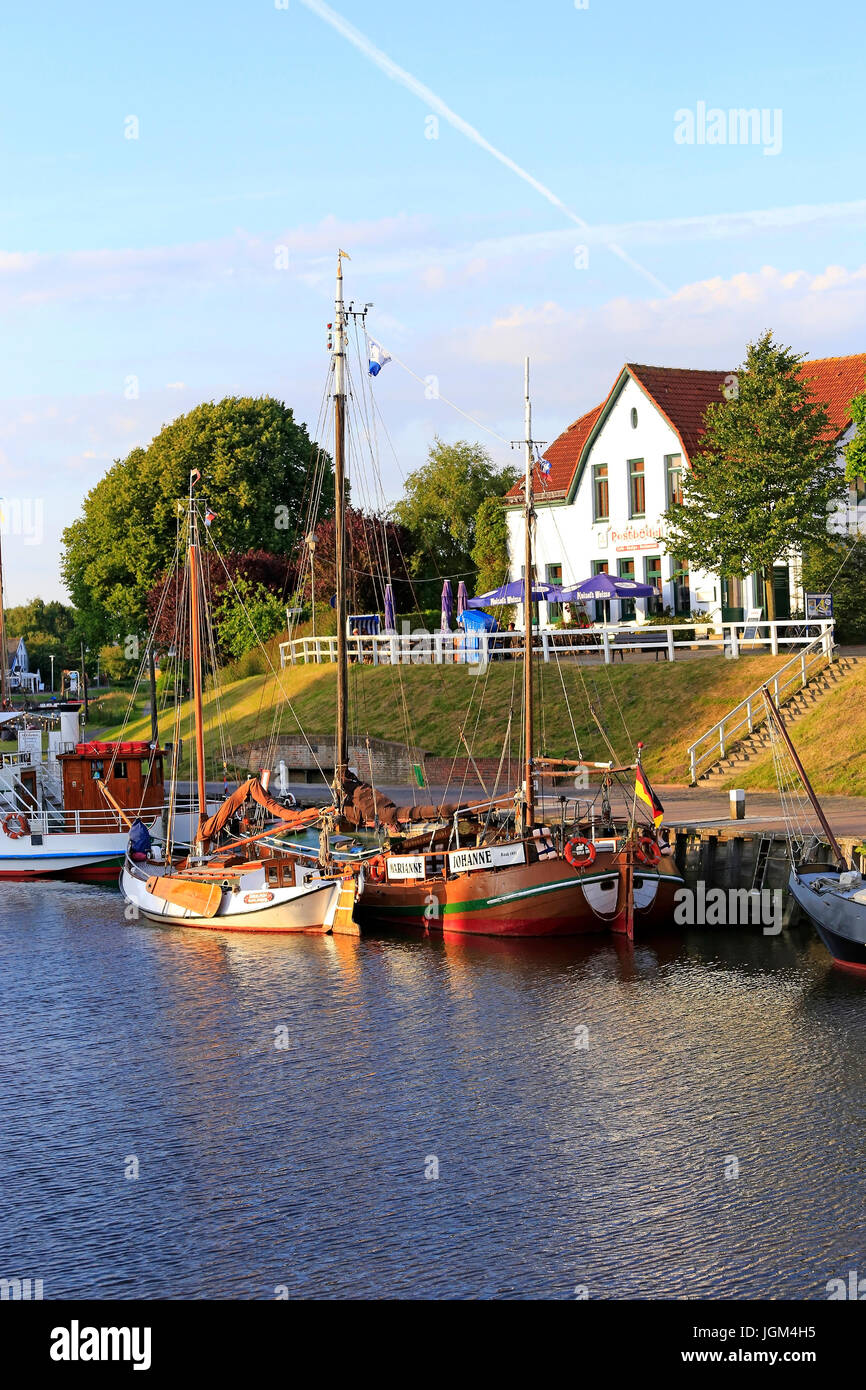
(667, 706)
(831, 742)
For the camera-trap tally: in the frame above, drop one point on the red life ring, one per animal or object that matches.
(376, 868)
(648, 851)
(586, 856)
(23, 824)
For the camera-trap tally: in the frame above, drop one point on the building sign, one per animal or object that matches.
(462, 861)
(408, 866)
(819, 606)
(636, 536)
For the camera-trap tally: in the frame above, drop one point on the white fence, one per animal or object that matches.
(745, 717)
(442, 648)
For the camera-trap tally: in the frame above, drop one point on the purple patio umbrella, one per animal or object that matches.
(462, 598)
(390, 618)
(605, 586)
(513, 593)
(447, 606)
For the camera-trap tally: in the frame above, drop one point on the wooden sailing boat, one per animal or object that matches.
(489, 869)
(241, 885)
(833, 896)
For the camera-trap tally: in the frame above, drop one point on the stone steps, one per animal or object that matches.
(801, 702)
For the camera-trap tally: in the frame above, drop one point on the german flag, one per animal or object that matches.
(644, 792)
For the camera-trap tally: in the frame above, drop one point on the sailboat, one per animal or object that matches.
(494, 867)
(230, 882)
(832, 896)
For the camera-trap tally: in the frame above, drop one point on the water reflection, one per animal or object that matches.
(586, 1101)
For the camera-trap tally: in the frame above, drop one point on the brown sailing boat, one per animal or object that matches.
(492, 868)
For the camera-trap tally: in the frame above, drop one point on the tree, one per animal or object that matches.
(766, 474)
(839, 567)
(249, 613)
(440, 508)
(48, 629)
(275, 573)
(855, 450)
(256, 462)
(490, 552)
(376, 553)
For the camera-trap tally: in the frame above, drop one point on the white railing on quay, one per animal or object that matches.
(745, 717)
(423, 648)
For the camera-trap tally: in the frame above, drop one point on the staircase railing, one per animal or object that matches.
(750, 713)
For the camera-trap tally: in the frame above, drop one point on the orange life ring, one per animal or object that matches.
(376, 868)
(585, 858)
(648, 851)
(23, 824)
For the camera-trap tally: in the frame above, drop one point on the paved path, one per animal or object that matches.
(684, 806)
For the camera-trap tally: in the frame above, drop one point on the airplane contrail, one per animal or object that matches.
(419, 89)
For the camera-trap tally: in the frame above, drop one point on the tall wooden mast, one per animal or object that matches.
(528, 720)
(4, 693)
(195, 649)
(340, 339)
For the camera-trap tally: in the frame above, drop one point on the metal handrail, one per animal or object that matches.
(750, 713)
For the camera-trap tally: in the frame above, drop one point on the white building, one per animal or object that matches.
(616, 470)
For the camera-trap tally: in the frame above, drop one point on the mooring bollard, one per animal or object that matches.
(737, 805)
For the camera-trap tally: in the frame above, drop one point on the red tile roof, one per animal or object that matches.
(563, 455)
(835, 380)
(683, 394)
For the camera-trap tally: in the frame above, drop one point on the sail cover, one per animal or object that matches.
(253, 790)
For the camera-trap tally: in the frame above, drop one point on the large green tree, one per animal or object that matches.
(766, 473)
(440, 508)
(490, 551)
(48, 629)
(255, 461)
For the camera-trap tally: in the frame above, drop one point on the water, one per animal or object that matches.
(304, 1167)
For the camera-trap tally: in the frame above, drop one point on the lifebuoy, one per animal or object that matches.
(23, 825)
(585, 857)
(648, 851)
(376, 868)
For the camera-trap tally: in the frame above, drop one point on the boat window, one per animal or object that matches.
(119, 771)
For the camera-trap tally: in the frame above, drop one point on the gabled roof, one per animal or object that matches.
(682, 394)
(835, 380)
(563, 456)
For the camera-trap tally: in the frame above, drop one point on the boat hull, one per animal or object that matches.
(87, 858)
(255, 907)
(655, 890)
(547, 898)
(839, 920)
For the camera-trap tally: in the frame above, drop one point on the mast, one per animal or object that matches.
(4, 693)
(195, 645)
(528, 721)
(342, 731)
(776, 716)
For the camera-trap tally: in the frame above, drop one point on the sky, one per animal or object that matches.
(548, 180)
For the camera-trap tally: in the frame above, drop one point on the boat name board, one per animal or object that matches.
(411, 866)
(462, 861)
(258, 897)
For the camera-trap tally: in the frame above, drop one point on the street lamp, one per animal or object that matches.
(51, 659)
(311, 546)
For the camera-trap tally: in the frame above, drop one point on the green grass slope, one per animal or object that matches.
(667, 706)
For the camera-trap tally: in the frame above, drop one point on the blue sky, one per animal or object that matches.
(258, 127)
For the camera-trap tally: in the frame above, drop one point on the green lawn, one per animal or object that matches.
(667, 706)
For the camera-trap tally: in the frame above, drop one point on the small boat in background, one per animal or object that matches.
(832, 896)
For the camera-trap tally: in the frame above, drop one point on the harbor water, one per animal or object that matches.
(191, 1115)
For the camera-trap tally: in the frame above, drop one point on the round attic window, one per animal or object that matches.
(633, 418)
